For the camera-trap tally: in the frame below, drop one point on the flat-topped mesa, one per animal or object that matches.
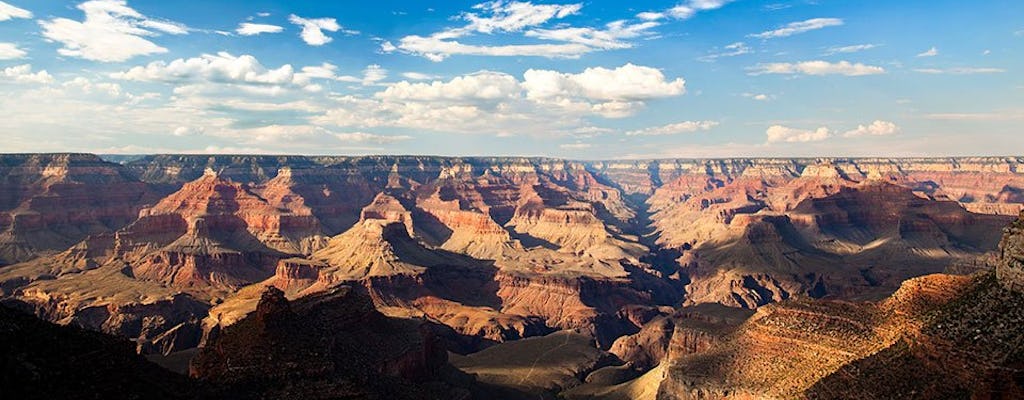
(230, 210)
(1010, 268)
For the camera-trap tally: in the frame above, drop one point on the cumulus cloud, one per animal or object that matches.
(222, 67)
(543, 101)
(110, 32)
(10, 51)
(779, 133)
(932, 52)
(674, 129)
(817, 67)
(484, 85)
(313, 29)
(250, 29)
(794, 28)
(877, 128)
(625, 83)
(8, 12)
(23, 74)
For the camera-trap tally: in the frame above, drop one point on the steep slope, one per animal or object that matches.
(214, 233)
(40, 360)
(748, 243)
(329, 345)
(49, 202)
(938, 336)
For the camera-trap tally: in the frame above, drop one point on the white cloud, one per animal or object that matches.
(436, 49)
(675, 129)
(932, 52)
(110, 32)
(731, 50)
(1005, 115)
(849, 49)
(183, 131)
(575, 146)
(8, 11)
(484, 85)
(611, 37)
(513, 17)
(543, 102)
(817, 67)
(690, 8)
(794, 28)
(363, 137)
(250, 29)
(877, 128)
(219, 68)
(758, 96)
(23, 74)
(10, 51)
(650, 16)
(961, 70)
(625, 83)
(418, 76)
(312, 29)
(779, 133)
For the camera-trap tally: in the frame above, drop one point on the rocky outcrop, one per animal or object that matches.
(49, 202)
(1010, 267)
(41, 360)
(333, 344)
(493, 249)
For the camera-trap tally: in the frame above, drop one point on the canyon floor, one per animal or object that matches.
(488, 277)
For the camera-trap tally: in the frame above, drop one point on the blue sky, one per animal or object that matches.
(587, 80)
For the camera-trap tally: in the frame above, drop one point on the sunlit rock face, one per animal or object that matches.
(490, 249)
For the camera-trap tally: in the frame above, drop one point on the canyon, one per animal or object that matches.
(593, 279)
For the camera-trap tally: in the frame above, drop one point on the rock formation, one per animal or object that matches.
(486, 250)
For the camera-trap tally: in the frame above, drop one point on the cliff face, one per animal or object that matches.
(49, 202)
(333, 344)
(938, 336)
(492, 249)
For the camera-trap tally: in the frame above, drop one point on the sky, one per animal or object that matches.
(582, 80)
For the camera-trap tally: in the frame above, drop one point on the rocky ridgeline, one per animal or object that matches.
(493, 249)
(1010, 268)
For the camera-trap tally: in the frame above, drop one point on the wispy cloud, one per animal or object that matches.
(932, 52)
(540, 21)
(731, 50)
(817, 68)
(110, 32)
(10, 51)
(674, 129)
(961, 70)
(794, 28)
(8, 11)
(250, 29)
(849, 49)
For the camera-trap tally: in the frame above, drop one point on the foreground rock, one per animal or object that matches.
(330, 345)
